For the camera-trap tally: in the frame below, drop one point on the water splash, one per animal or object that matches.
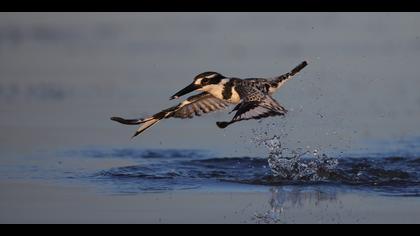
(395, 176)
(296, 164)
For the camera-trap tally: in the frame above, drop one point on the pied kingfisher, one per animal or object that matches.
(252, 96)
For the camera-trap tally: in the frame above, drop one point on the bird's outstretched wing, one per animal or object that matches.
(194, 105)
(256, 105)
(197, 105)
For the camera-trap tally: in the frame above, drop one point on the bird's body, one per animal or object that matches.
(251, 96)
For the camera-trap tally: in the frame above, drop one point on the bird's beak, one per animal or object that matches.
(190, 88)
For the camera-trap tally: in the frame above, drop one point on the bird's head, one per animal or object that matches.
(202, 82)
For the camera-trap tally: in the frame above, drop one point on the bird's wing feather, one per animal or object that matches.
(255, 105)
(198, 105)
(265, 107)
(194, 105)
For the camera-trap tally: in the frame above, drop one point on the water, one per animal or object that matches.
(284, 198)
(386, 171)
(167, 170)
(353, 121)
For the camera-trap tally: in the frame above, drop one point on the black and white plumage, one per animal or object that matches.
(199, 104)
(253, 99)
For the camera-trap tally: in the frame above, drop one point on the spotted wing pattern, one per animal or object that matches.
(256, 104)
(259, 109)
(199, 104)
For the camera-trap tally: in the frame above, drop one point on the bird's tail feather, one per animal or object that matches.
(298, 68)
(283, 78)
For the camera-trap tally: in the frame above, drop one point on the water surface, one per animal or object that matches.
(352, 127)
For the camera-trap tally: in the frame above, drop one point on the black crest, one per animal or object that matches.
(209, 77)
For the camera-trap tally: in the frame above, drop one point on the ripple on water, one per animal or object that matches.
(160, 170)
(393, 175)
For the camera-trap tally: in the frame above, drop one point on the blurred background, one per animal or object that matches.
(63, 75)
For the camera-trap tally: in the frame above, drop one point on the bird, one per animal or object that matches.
(252, 97)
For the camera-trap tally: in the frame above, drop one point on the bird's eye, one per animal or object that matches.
(205, 80)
